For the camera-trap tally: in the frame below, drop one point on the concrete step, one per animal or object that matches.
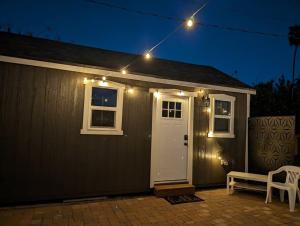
(164, 190)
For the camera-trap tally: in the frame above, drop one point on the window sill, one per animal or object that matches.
(221, 135)
(101, 132)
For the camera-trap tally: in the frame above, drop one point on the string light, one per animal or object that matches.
(131, 90)
(157, 94)
(102, 83)
(85, 81)
(103, 78)
(181, 93)
(93, 80)
(148, 56)
(190, 22)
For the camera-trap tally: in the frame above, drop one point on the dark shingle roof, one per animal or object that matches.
(59, 52)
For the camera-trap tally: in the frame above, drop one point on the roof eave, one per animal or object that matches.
(104, 71)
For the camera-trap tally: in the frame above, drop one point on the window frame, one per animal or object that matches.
(88, 107)
(175, 110)
(221, 97)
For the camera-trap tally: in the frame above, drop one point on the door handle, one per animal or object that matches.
(185, 138)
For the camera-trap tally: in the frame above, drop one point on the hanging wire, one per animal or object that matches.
(215, 26)
(160, 42)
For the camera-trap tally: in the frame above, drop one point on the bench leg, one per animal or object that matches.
(232, 186)
(228, 187)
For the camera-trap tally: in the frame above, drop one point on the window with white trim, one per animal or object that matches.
(221, 121)
(103, 106)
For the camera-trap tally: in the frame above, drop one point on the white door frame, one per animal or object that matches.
(154, 149)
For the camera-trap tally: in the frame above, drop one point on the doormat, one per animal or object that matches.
(183, 199)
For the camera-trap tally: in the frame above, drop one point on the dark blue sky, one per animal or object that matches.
(255, 57)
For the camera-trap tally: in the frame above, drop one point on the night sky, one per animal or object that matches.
(249, 57)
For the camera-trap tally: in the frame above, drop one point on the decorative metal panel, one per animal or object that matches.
(271, 143)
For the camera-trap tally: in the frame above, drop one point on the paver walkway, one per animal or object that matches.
(242, 208)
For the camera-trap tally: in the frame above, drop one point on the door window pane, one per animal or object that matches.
(178, 106)
(104, 97)
(171, 105)
(103, 118)
(221, 125)
(165, 104)
(178, 114)
(164, 113)
(222, 107)
(171, 113)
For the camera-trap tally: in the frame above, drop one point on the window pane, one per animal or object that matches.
(164, 113)
(165, 104)
(171, 105)
(222, 125)
(178, 114)
(103, 118)
(171, 113)
(104, 97)
(178, 106)
(222, 107)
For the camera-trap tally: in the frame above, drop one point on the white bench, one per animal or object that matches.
(231, 184)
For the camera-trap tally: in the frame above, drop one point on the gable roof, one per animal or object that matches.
(20, 46)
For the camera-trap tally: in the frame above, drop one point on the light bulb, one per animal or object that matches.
(103, 78)
(148, 56)
(124, 72)
(190, 23)
(85, 81)
(102, 83)
(181, 93)
(131, 90)
(157, 94)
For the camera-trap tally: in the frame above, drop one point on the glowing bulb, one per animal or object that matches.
(85, 81)
(219, 158)
(181, 93)
(157, 94)
(148, 56)
(93, 80)
(103, 78)
(208, 110)
(131, 90)
(124, 72)
(190, 23)
(102, 83)
(201, 91)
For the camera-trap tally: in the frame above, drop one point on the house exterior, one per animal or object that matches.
(68, 133)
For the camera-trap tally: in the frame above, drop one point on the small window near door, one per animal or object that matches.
(171, 109)
(221, 122)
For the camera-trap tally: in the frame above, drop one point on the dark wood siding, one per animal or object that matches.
(43, 156)
(207, 169)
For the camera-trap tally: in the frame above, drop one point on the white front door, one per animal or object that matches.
(171, 150)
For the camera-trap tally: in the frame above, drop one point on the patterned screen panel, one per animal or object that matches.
(271, 143)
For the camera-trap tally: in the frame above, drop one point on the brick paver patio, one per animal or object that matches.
(242, 208)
